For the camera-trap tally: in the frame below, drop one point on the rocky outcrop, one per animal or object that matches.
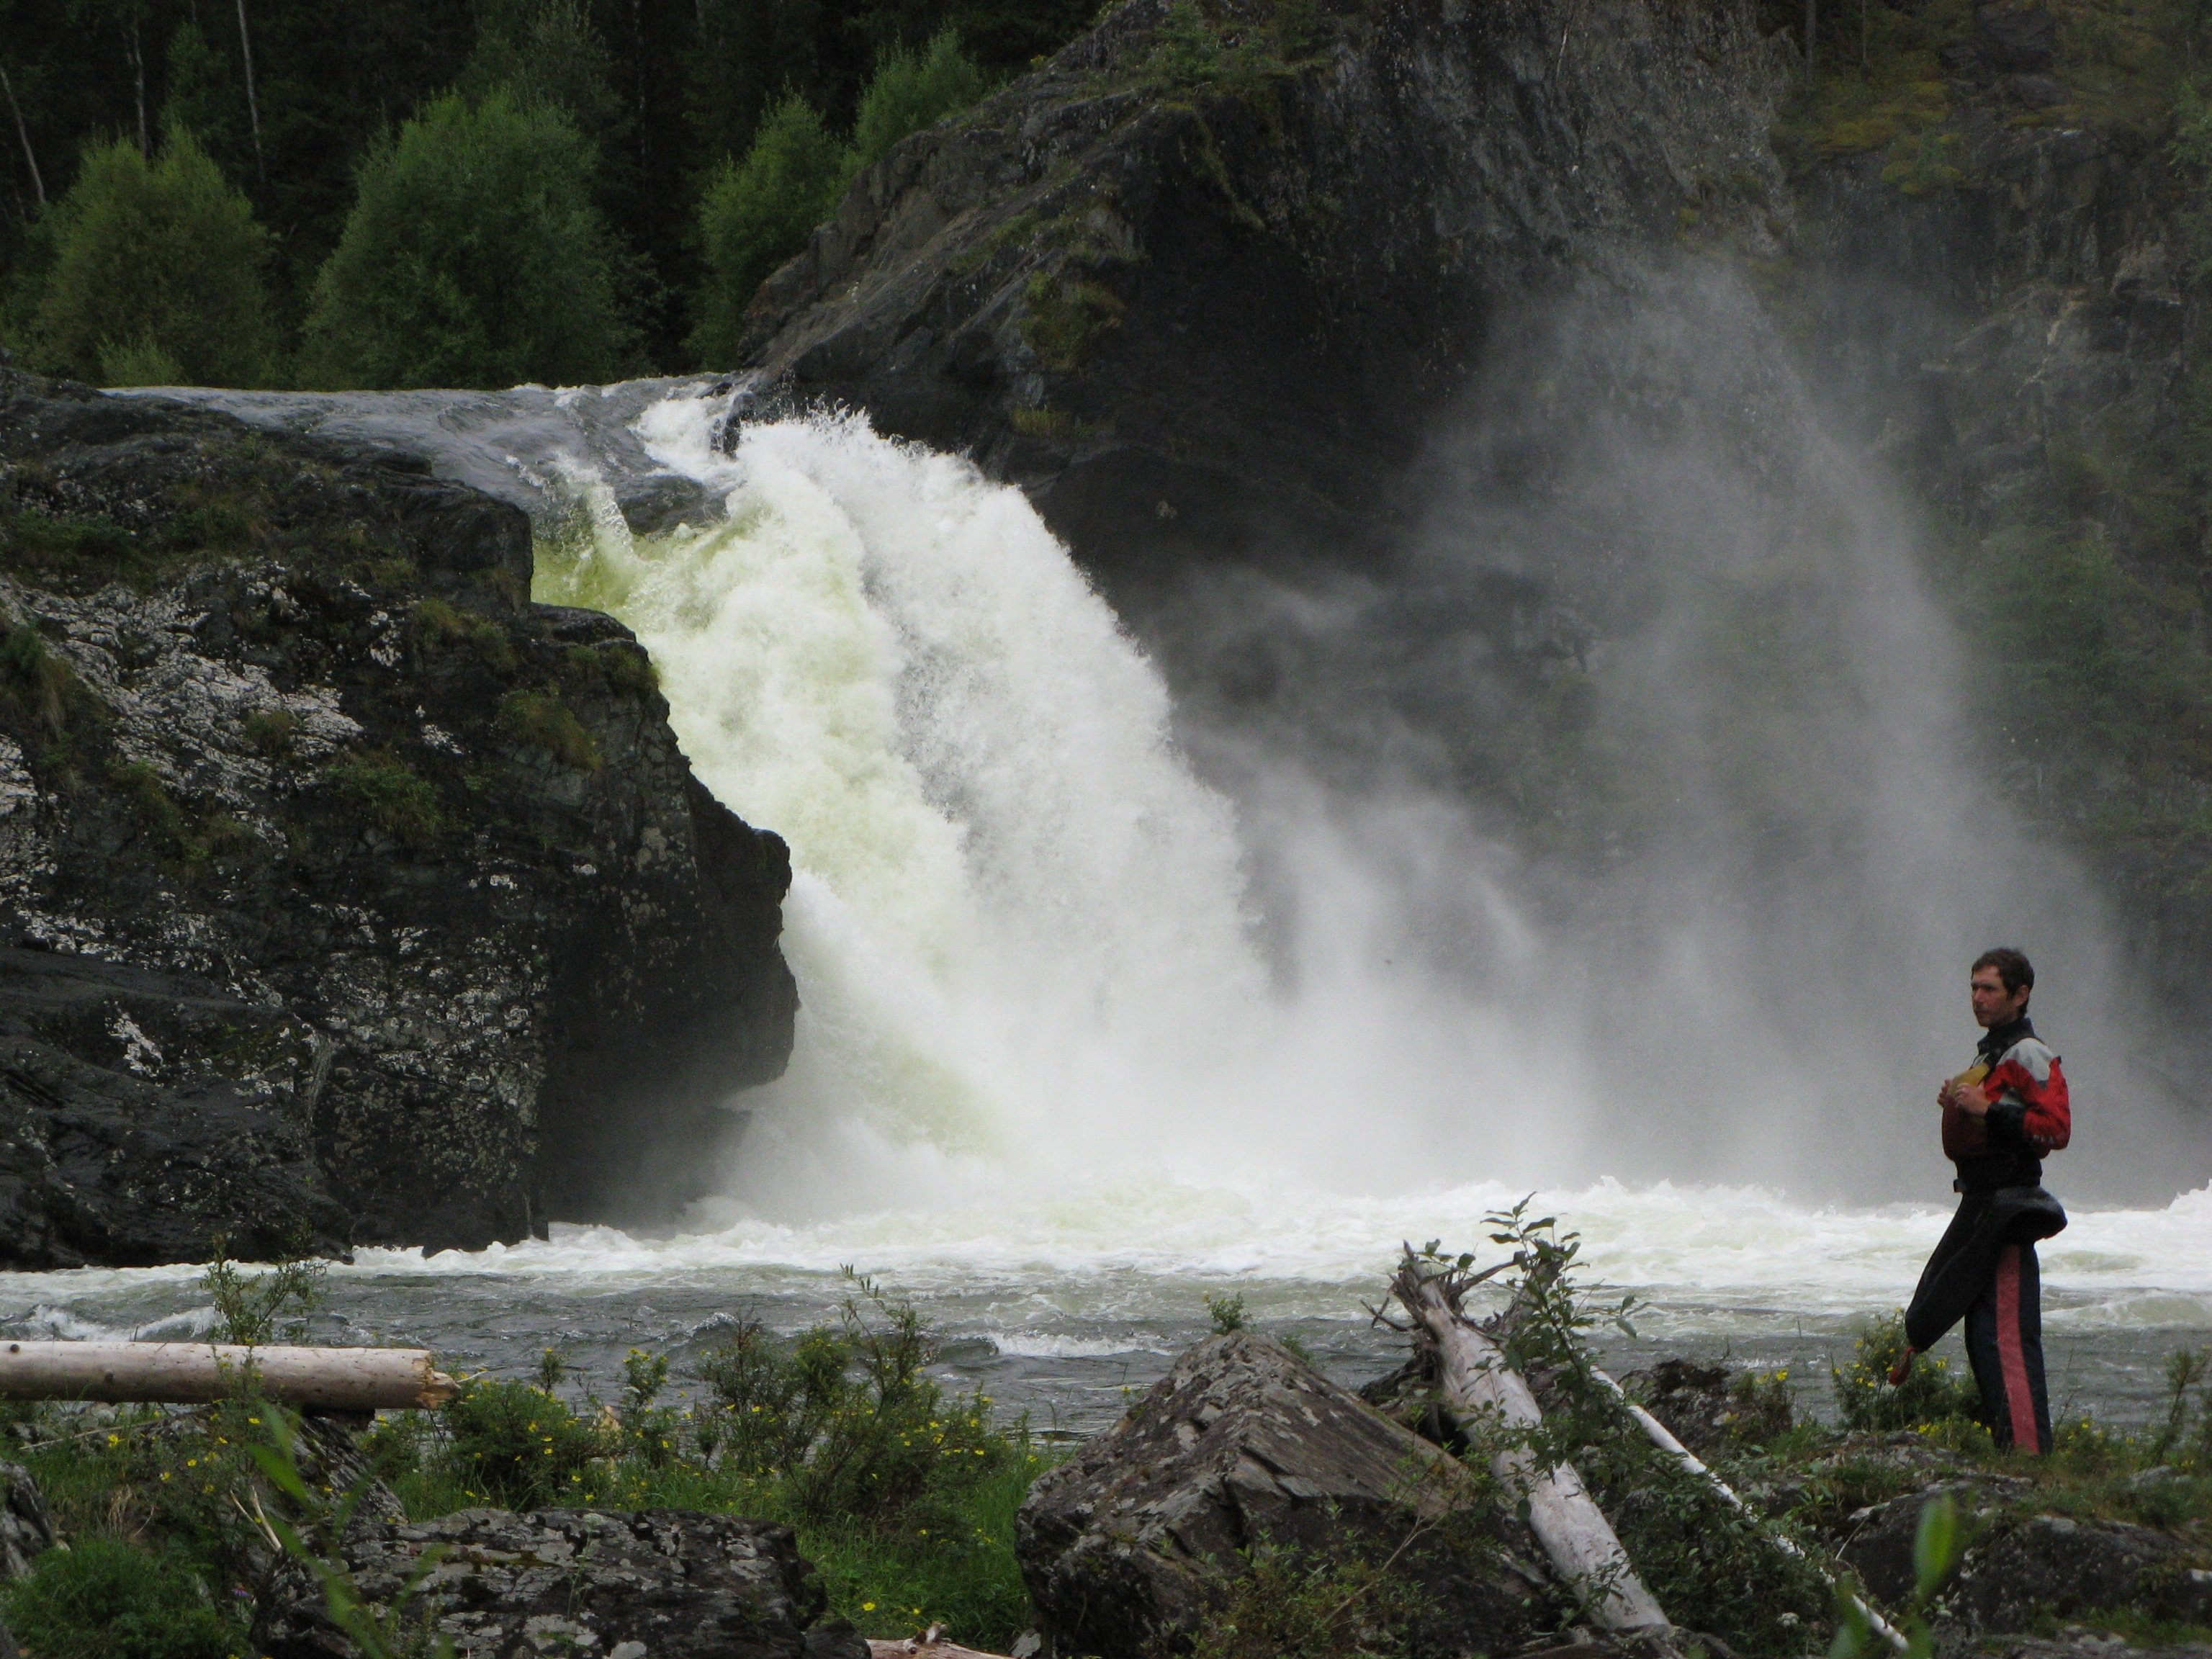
(1127, 1546)
(620, 1584)
(26, 1531)
(1198, 283)
(348, 896)
(2021, 1568)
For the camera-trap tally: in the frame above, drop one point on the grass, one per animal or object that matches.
(541, 720)
(388, 792)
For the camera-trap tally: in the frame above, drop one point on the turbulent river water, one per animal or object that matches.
(1046, 1084)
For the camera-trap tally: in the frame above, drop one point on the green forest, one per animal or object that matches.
(379, 193)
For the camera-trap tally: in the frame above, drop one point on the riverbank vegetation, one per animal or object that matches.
(904, 1493)
(405, 193)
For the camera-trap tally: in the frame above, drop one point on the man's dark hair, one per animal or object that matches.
(2013, 968)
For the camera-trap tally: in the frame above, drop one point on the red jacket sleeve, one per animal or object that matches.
(2027, 1088)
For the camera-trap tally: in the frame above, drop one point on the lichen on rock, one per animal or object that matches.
(345, 895)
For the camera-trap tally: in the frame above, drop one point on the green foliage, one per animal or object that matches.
(1227, 1311)
(402, 1628)
(911, 91)
(519, 1445)
(257, 1308)
(1064, 319)
(107, 1599)
(1711, 1565)
(434, 625)
(757, 213)
(1931, 1394)
(389, 794)
(35, 684)
(618, 666)
(1288, 1605)
(545, 53)
(270, 732)
(541, 719)
(153, 274)
(474, 256)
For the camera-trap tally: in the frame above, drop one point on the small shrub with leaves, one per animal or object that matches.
(519, 1445)
(1932, 1394)
(1284, 1604)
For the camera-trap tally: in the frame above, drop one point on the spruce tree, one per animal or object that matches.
(473, 256)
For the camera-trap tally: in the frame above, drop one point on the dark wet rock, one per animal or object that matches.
(345, 895)
(523, 445)
(2077, 1643)
(26, 1531)
(2021, 1568)
(618, 1584)
(1127, 1546)
(1185, 317)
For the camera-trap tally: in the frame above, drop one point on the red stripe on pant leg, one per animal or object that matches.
(2011, 1356)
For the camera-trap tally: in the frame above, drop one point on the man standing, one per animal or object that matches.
(2000, 1116)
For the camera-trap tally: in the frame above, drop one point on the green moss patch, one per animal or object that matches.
(542, 720)
(388, 792)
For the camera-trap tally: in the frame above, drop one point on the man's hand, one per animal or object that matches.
(1902, 1369)
(1969, 1098)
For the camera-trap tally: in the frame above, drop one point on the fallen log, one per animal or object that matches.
(1566, 1519)
(1663, 1437)
(917, 1647)
(194, 1373)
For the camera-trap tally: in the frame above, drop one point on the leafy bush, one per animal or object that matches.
(519, 1445)
(1285, 1605)
(1931, 1394)
(473, 256)
(106, 1599)
(1712, 1566)
(910, 91)
(847, 1418)
(270, 1306)
(153, 274)
(757, 213)
(1227, 1311)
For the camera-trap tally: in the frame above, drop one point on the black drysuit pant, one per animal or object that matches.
(1984, 1271)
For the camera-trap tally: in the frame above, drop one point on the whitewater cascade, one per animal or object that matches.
(1018, 918)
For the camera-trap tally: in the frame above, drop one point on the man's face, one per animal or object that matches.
(1993, 1004)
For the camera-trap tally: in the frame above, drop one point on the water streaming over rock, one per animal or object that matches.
(1051, 1073)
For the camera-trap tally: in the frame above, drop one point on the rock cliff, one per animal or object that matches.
(348, 897)
(1205, 278)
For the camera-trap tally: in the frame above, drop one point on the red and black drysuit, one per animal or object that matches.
(1983, 1269)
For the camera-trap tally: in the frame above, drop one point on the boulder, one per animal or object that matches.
(2021, 1568)
(26, 1531)
(1126, 1547)
(345, 894)
(617, 1584)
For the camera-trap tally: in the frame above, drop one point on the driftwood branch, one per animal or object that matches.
(1566, 1519)
(1663, 1437)
(193, 1373)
